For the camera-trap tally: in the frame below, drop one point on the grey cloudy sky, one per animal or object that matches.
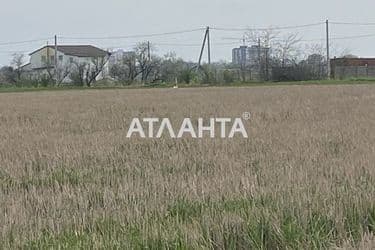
(29, 20)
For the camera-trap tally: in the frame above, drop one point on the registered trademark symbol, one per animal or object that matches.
(246, 116)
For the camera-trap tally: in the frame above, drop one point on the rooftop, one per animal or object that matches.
(78, 50)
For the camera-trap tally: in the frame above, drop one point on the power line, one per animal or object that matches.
(10, 43)
(274, 40)
(23, 42)
(316, 39)
(216, 44)
(332, 38)
(197, 44)
(270, 28)
(192, 44)
(13, 51)
(178, 44)
(134, 36)
(352, 37)
(199, 29)
(354, 24)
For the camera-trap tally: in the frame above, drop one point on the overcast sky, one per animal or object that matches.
(41, 19)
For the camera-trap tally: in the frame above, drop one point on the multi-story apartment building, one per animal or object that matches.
(249, 56)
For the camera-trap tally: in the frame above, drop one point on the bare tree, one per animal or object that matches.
(94, 69)
(125, 70)
(86, 72)
(62, 72)
(77, 74)
(286, 50)
(130, 62)
(264, 40)
(57, 74)
(147, 63)
(50, 69)
(316, 61)
(7, 75)
(265, 37)
(155, 69)
(118, 71)
(315, 48)
(17, 62)
(174, 69)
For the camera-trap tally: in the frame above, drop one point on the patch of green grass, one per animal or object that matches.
(297, 83)
(353, 223)
(357, 223)
(61, 177)
(260, 228)
(292, 231)
(320, 231)
(184, 210)
(11, 89)
(105, 234)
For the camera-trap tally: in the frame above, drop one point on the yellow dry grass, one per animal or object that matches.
(66, 165)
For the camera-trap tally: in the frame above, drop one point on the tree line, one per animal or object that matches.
(286, 60)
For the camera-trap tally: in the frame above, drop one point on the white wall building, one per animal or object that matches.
(43, 59)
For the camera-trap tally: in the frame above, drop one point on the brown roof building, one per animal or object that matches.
(342, 68)
(77, 50)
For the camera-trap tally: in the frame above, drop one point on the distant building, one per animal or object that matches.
(117, 56)
(342, 68)
(45, 56)
(43, 60)
(249, 56)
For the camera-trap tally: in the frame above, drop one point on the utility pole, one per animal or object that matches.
(48, 59)
(267, 70)
(148, 51)
(328, 56)
(208, 45)
(56, 58)
(259, 60)
(202, 49)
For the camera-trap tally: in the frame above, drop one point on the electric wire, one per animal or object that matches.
(134, 36)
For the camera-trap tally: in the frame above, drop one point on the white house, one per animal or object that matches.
(43, 59)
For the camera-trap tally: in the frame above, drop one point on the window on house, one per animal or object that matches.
(61, 58)
(71, 59)
(44, 58)
(52, 58)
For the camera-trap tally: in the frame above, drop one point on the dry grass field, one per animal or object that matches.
(304, 179)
